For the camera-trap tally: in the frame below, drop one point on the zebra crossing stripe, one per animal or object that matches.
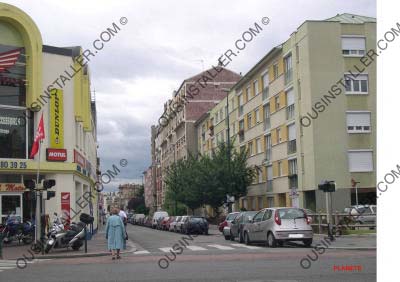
(196, 248)
(246, 246)
(165, 250)
(221, 247)
(141, 252)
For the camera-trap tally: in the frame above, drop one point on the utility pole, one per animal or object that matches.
(228, 142)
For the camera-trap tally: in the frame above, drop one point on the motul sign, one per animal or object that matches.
(56, 155)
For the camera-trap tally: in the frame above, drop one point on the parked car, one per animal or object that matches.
(227, 220)
(362, 214)
(235, 230)
(309, 212)
(138, 219)
(156, 217)
(274, 226)
(195, 224)
(129, 217)
(147, 221)
(159, 222)
(178, 226)
(172, 225)
(166, 220)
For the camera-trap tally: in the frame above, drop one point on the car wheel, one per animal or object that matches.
(307, 242)
(271, 242)
(231, 236)
(206, 232)
(227, 237)
(279, 243)
(247, 239)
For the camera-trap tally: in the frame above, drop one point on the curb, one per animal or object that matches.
(354, 248)
(99, 254)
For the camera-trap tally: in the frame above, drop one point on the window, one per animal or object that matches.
(265, 85)
(258, 145)
(257, 114)
(259, 176)
(270, 202)
(248, 96)
(267, 214)
(251, 152)
(260, 204)
(291, 139)
(280, 169)
(278, 135)
(255, 85)
(221, 114)
(269, 179)
(258, 217)
(241, 124)
(360, 161)
(268, 147)
(240, 104)
(267, 120)
(356, 85)
(222, 136)
(231, 105)
(242, 148)
(276, 71)
(288, 68)
(353, 46)
(290, 104)
(292, 166)
(217, 118)
(358, 122)
(249, 120)
(277, 104)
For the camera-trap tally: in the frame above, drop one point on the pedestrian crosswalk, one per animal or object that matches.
(195, 248)
(6, 264)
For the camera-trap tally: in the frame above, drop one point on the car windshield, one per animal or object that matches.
(231, 216)
(197, 219)
(249, 215)
(291, 213)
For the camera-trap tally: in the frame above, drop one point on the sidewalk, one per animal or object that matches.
(348, 242)
(97, 246)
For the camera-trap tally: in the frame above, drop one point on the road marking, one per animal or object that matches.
(165, 250)
(196, 248)
(11, 264)
(246, 246)
(141, 252)
(221, 247)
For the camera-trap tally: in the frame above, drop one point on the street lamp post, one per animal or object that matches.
(228, 141)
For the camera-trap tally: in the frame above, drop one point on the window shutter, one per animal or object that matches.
(360, 161)
(358, 119)
(353, 43)
(291, 132)
(290, 97)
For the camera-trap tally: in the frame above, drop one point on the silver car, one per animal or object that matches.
(178, 226)
(235, 230)
(172, 225)
(274, 226)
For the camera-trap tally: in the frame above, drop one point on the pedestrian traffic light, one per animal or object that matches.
(30, 184)
(48, 183)
(51, 194)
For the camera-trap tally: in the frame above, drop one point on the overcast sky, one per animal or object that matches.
(163, 43)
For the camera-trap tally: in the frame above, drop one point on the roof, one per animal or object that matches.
(351, 19)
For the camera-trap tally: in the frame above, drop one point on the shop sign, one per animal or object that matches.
(57, 119)
(66, 205)
(11, 164)
(56, 155)
(12, 187)
(79, 159)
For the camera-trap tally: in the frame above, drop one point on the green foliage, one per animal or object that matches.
(204, 180)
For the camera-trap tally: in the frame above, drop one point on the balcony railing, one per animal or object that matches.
(267, 123)
(288, 76)
(265, 93)
(290, 112)
(291, 149)
(269, 186)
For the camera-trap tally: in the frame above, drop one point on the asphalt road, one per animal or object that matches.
(202, 258)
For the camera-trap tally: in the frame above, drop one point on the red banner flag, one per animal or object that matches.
(39, 136)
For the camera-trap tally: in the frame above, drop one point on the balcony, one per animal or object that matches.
(290, 112)
(269, 186)
(291, 149)
(265, 93)
(267, 123)
(288, 76)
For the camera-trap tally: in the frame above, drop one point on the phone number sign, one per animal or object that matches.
(13, 165)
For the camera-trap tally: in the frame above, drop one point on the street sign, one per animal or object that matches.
(327, 186)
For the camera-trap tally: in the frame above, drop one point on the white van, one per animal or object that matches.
(158, 215)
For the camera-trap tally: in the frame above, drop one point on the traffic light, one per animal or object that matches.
(51, 194)
(327, 186)
(48, 183)
(30, 184)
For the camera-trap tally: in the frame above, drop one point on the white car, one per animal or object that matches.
(180, 223)
(158, 215)
(172, 225)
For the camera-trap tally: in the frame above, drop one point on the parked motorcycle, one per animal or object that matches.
(59, 238)
(15, 230)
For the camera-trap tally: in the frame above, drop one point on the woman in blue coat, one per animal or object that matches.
(115, 233)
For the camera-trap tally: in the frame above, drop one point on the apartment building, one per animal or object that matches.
(176, 136)
(293, 142)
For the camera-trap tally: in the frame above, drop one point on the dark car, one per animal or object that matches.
(195, 225)
(235, 230)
